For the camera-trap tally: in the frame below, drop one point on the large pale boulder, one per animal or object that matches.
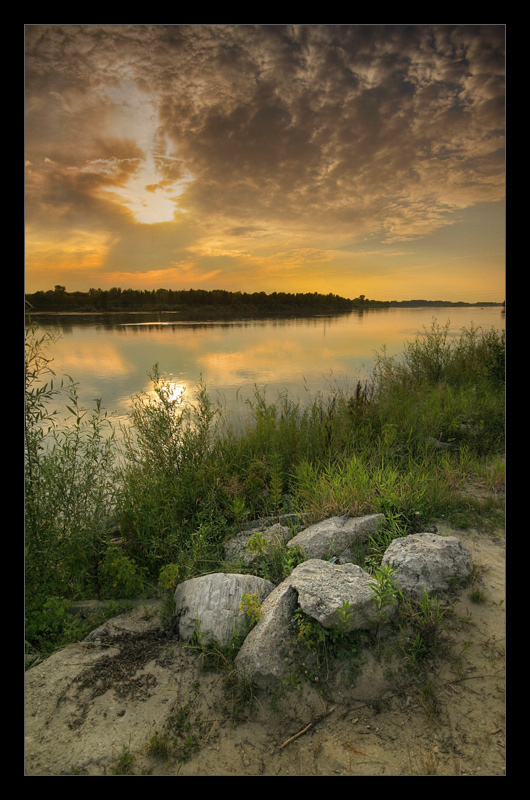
(211, 605)
(427, 562)
(336, 536)
(267, 651)
(336, 595)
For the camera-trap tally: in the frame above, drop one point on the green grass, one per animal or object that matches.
(105, 517)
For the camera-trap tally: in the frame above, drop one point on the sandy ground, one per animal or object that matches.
(142, 704)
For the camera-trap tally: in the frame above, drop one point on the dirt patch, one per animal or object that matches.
(132, 699)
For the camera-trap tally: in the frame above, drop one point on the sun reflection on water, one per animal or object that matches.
(176, 391)
(173, 390)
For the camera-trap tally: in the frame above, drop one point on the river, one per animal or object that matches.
(111, 356)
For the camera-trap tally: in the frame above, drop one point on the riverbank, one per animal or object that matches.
(112, 523)
(136, 701)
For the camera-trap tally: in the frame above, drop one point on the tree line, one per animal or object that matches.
(116, 299)
(126, 300)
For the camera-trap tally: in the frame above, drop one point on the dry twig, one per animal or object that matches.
(307, 727)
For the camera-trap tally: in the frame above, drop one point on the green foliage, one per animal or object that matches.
(164, 504)
(191, 300)
(220, 657)
(160, 746)
(182, 737)
(186, 478)
(345, 612)
(423, 623)
(185, 740)
(52, 623)
(385, 591)
(55, 624)
(69, 489)
(394, 527)
(125, 762)
(448, 389)
(169, 576)
(170, 434)
(318, 648)
(251, 605)
(120, 575)
(275, 561)
(37, 397)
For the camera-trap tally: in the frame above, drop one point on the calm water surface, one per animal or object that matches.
(110, 357)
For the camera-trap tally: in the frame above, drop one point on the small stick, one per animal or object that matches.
(300, 733)
(304, 730)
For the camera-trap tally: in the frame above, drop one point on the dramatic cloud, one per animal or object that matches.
(242, 151)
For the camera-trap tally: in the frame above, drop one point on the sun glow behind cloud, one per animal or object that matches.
(150, 184)
(344, 158)
(148, 199)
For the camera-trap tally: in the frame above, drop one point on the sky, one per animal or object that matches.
(351, 159)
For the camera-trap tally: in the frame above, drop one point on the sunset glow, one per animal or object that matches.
(352, 159)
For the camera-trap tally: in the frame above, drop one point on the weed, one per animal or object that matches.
(169, 576)
(70, 490)
(180, 742)
(220, 657)
(187, 747)
(167, 582)
(120, 575)
(319, 648)
(345, 614)
(429, 699)
(160, 746)
(274, 560)
(385, 592)
(258, 543)
(477, 596)
(125, 762)
(394, 527)
(251, 605)
(423, 622)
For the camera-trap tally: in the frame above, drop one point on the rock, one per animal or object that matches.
(324, 590)
(237, 548)
(211, 605)
(427, 562)
(266, 652)
(336, 536)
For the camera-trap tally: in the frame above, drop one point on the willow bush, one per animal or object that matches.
(69, 493)
(166, 506)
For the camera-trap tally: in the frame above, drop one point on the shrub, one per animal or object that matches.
(69, 488)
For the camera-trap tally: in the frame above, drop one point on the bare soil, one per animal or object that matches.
(132, 699)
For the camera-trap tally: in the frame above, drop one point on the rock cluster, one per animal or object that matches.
(327, 586)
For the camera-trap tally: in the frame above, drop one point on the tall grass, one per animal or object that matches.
(184, 479)
(447, 389)
(70, 494)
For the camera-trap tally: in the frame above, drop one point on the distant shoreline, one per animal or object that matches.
(215, 303)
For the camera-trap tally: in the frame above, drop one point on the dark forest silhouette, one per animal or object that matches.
(209, 301)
